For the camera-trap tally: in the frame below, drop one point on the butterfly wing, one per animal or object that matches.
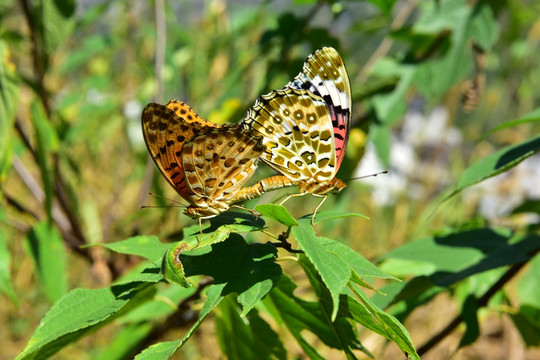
(166, 129)
(324, 75)
(186, 113)
(218, 162)
(297, 133)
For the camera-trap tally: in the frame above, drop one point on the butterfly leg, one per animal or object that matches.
(318, 207)
(290, 196)
(253, 212)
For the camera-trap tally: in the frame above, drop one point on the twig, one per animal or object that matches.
(284, 244)
(28, 179)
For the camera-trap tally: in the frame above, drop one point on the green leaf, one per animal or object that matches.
(9, 91)
(278, 213)
(220, 228)
(160, 351)
(528, 285)
(380, 136)
(77, 313)
(331, 215)
(302, 316)
(334, 262)
(391, 107)
(46, 145)
(91, 46)
(384, 5)
(414, 293)
(334, 273)
(355, 261)
(253, 338)
(5, 263)
(164, 303)
(496, 163)
(469, 314)
(527, 321)
(454, 257)
(459, 255)
(247, 270)
(142, 273)
(46, 248)
(382, 323)
(533, 116)
(56, 21)
(148, 247)
(467, 24)
(165, 350)
(125, 341)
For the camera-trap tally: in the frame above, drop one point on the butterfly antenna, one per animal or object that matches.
(161, 206)
(179, 204)
(166, 198)
(366, 176)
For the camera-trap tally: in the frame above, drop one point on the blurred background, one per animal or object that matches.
(430, 80)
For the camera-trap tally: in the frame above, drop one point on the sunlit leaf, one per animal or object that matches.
(148, 247)
(331, 215)
(334, 272)
(77, 313)
(278, 213)
(496, 163)
(379, 321)
(533, 116)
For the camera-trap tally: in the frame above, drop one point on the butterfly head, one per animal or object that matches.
(337, 185)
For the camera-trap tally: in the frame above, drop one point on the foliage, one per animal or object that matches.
(89, 272)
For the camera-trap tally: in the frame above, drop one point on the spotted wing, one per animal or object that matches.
(165, 130)
(297, 133)
(185, 112)
(219, 161)
(324, 75)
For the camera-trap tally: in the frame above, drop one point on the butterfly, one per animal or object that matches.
(205, 163)
(305, 128)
